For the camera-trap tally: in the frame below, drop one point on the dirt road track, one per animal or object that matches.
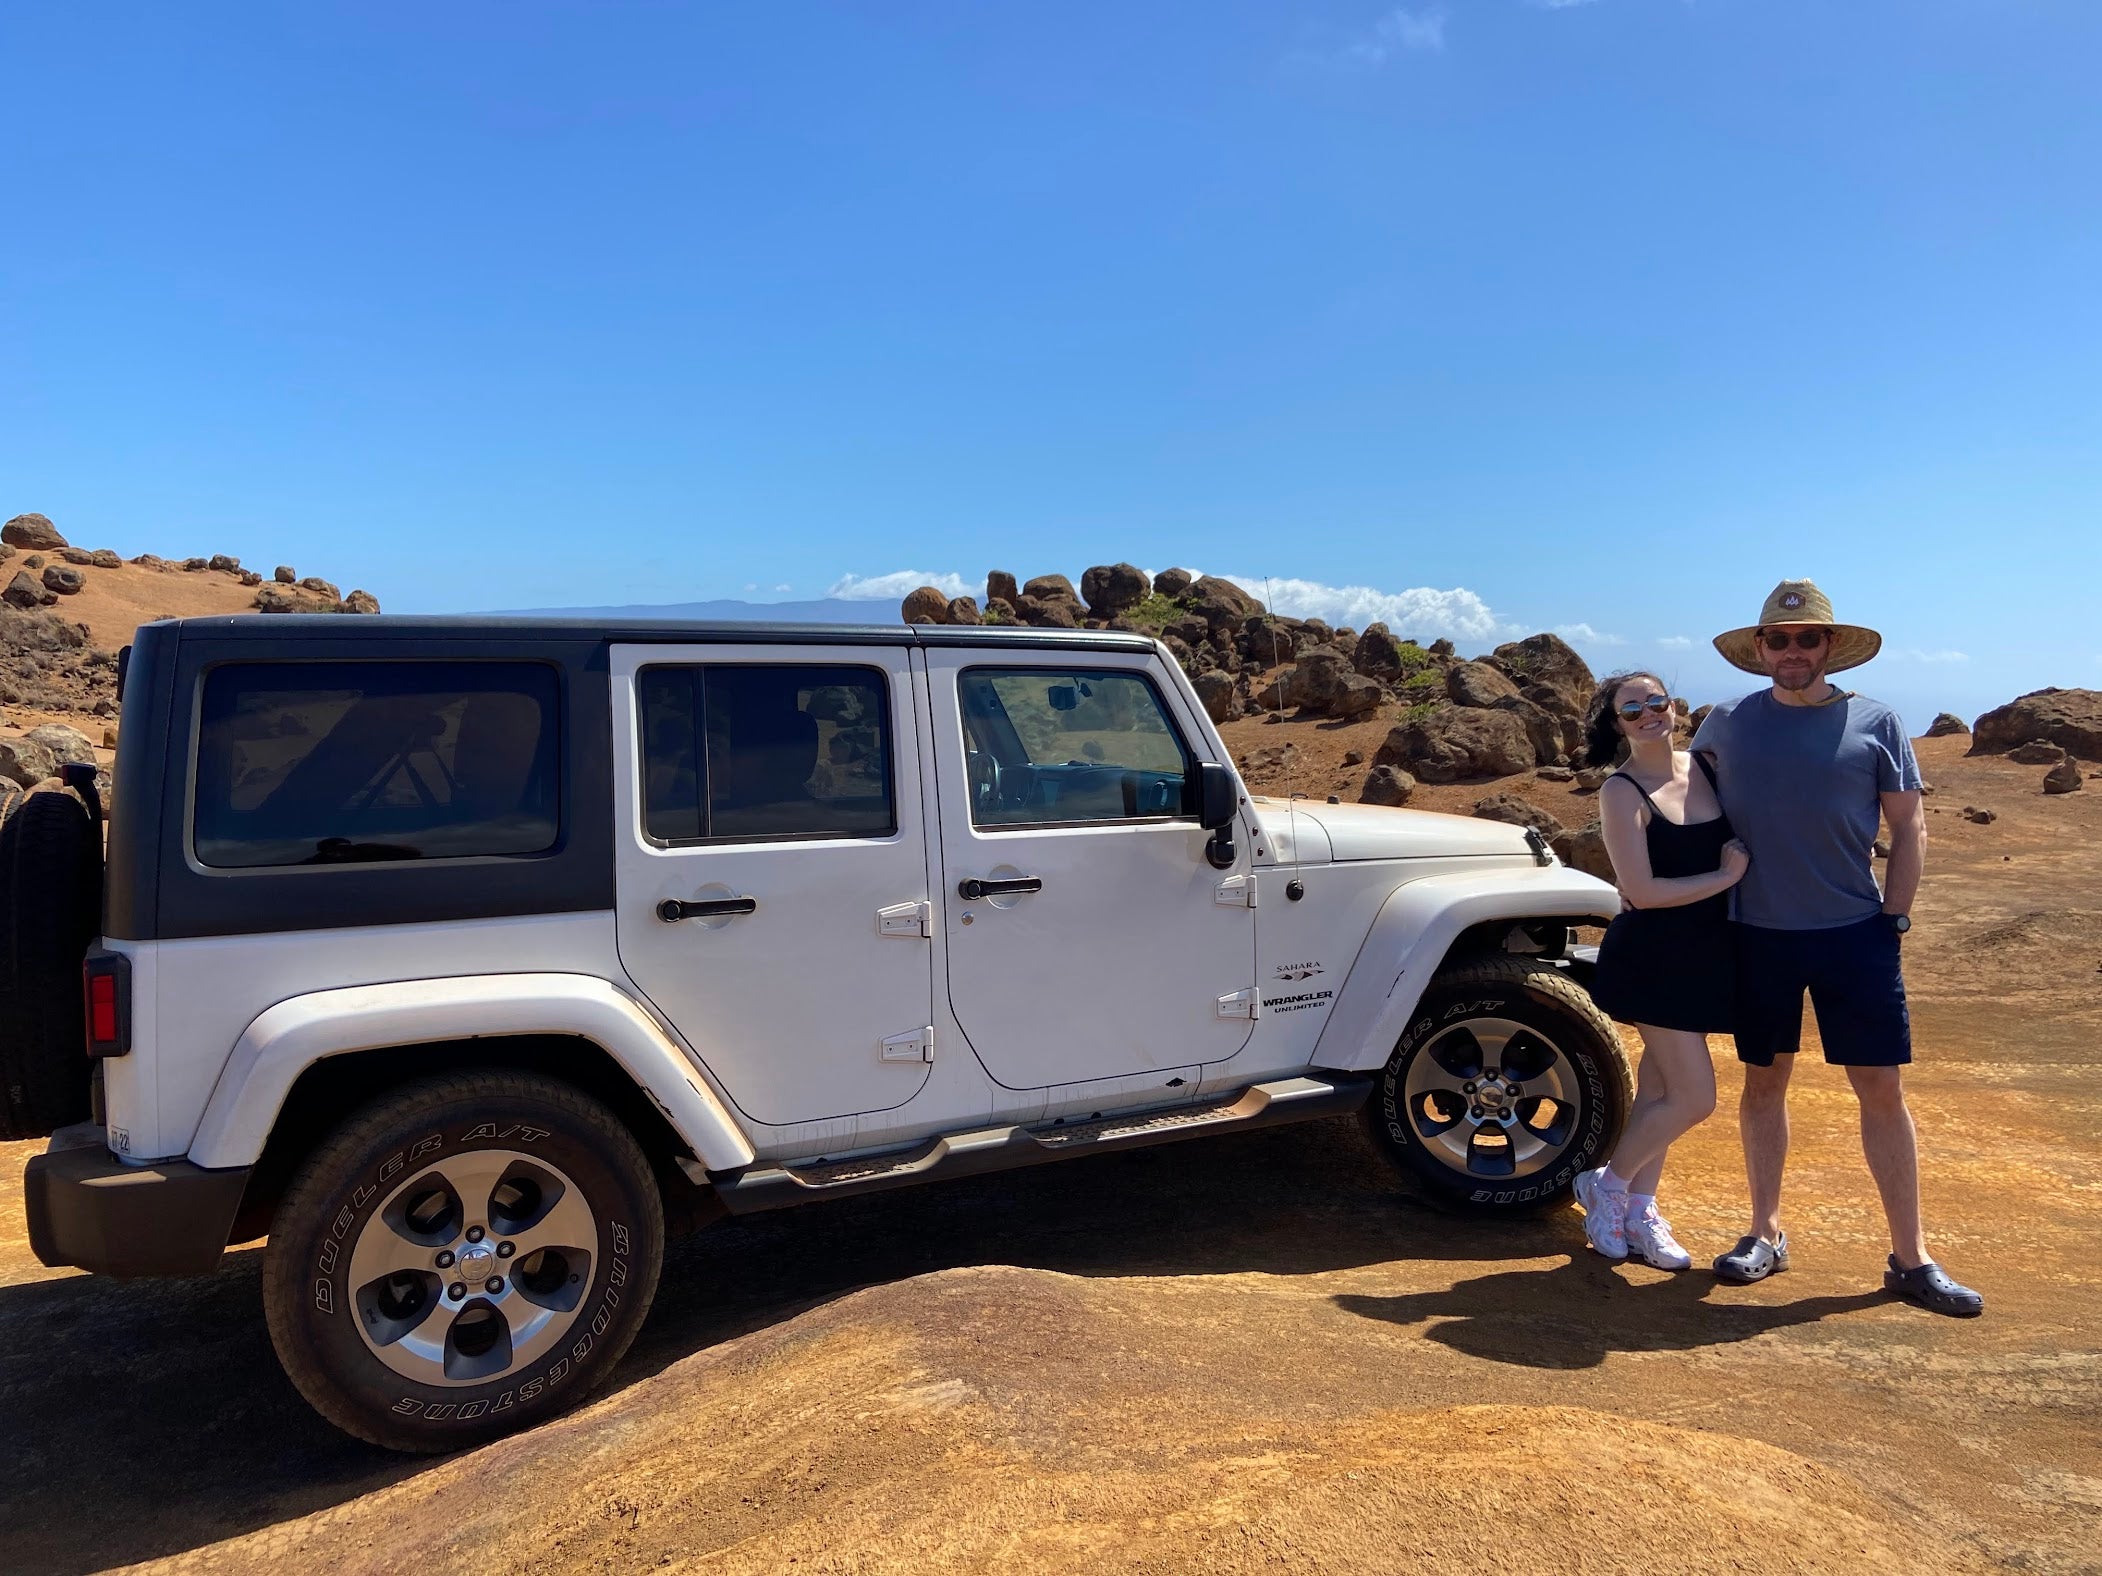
(1256, 1354)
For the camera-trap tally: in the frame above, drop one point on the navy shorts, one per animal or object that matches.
(1856, 987)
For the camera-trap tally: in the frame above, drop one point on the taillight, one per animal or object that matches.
(106, 988)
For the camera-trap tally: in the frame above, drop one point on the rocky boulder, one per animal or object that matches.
(26, 591)
(1051, 588)
(26, 763)
(1514, 811)
(69, 746)
(1110, 589)
(1000, 587)
(963, 610)
(2037, 752)
(1545, 732)
(1585, 850)
(361, 602)
(1478, 684)
(76, 555)
(1388, 785)
(1380, 656)
(1946, 723)
(226, 563)
(1173, 582)
(280, 599)
(2064, 777)
(2069, 718)
(1220, 603)
(64, 580)
(1216, 693)
(285, 575)
(32, 532)
(1048, 612)
(321, 587)
(1326, 685)
(1548, 659)
(1458, 742)
(925, 605)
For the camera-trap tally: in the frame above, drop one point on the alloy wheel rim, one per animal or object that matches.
(1493, 1099)
(473, 1268)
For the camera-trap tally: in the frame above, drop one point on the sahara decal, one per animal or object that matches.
(1298, 971)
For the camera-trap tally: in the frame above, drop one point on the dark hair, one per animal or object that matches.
(1603, 740)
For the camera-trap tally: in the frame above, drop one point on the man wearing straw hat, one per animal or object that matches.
(1805, 771)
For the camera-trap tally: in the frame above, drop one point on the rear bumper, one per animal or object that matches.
(89, 1210)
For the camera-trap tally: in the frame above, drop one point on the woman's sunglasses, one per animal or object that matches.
(1803, 639)
(1632, 710)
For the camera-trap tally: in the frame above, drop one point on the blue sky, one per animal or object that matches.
(1602, 316)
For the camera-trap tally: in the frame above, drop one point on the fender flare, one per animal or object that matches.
(1416, 928)
(288, 1038)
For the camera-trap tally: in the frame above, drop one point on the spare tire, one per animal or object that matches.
(50, 911)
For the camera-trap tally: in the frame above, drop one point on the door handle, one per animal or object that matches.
(971, 888)
(671, 910)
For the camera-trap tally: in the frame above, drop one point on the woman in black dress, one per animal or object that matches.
(1666, 964)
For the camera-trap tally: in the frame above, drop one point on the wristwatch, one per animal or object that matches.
(1899, 923)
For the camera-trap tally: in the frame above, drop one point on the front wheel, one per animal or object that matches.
(1506, 1083)
(465, 1256)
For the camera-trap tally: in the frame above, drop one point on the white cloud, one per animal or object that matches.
(784, 586)
(1587, 635)
(1914, 654)
(1675, 642)
(893, 586)
(1400, 29)
(1560, 5)
(1424, 611)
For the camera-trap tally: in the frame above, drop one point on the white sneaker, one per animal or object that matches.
(1605, 1215)
(1648, 1237)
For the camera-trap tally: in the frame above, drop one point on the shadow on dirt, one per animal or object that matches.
(1574, 1315)
(150, 1418)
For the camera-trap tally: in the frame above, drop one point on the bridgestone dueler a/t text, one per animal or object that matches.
(1506, 1083)
(465, 1256)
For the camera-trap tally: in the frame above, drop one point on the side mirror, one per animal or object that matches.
(1218, 797)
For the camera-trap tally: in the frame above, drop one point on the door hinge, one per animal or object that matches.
(1242, 1004)
(914, 1046)
(905, 919)
(1235, 892)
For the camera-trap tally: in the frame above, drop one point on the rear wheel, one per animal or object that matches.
(1506, 1083)
(466, 1256)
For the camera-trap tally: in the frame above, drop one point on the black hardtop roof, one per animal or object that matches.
(515, 629)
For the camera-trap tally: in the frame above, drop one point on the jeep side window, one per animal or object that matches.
(744, 753)
(314, 763)
(1045, 746)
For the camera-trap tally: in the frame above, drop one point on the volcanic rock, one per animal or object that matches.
(1946, 723)
(32, 532)
(1514, 811)
(26, 591)
(285, 575)
(2064, 777)
(925, 605)
(1222, 604)
(1478, 684)
(1585, 850)
(1110, 589)
(1000, 587)
(1046, 588)
(2070, 718)
(65, 581)
(69, 746)
(964, 610)
(1216, 693)
(1458, 742)
(224, 562)
(26, 763)
(1548, 659)
(1172, 582)
(1054, 612)
(361, 602)
(321, 587)
(1388, 785)
(2037, 752)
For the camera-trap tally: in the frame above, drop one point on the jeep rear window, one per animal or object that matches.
(749, 752)
(316, 763)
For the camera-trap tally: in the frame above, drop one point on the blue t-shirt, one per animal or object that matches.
(1800, 785)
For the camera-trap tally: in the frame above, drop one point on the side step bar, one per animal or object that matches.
(776, 1186)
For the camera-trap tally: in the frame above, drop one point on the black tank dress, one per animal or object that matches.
(1673, 967)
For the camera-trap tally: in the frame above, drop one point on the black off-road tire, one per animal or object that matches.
(1424, 1109)
(387, 1157)
(50, 911)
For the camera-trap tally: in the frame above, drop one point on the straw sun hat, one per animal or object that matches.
(1799, 602)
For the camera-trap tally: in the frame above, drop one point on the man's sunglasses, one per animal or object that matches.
(1778, 640)
(1632, 710)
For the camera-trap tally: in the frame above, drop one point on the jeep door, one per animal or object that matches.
(1085, 931)
(772, 865)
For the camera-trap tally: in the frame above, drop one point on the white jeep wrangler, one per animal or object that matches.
(458, 955)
